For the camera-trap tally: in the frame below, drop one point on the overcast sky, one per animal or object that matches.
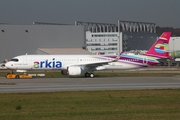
(164, 13)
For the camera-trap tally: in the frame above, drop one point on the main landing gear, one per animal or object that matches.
(89, 75)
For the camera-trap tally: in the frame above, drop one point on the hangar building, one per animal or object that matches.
(174, 44)
(22, 39)
(107, 38)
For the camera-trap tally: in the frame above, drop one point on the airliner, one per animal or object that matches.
(87, 64)
(68, 64)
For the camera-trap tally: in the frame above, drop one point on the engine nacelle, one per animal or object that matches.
(74, 70)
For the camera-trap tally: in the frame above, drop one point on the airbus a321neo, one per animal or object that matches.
(86, 64)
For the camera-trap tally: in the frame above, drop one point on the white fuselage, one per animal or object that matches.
(28, 62)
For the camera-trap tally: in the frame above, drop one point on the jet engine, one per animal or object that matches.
(74, 70)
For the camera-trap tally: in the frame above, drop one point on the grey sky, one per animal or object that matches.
(164, 13)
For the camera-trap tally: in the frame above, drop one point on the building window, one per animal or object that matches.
(104, 35)
(114, 39)
(98, 48)
(94, 44)
(113, 44)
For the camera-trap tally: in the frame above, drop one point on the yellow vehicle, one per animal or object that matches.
(16, 76)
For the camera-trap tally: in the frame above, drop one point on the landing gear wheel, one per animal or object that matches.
(87, 74)
(17, 77)
(91, 75)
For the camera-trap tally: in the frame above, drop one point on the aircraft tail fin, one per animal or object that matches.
(160, 47)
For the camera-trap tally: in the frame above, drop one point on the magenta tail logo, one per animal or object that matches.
(161, 48)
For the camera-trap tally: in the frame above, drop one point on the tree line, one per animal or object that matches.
(175, 31)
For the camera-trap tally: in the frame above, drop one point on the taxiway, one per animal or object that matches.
(76, 84)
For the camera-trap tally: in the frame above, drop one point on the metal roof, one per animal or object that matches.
(64, 51)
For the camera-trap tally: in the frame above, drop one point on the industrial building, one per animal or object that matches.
(52, 38)
(174, 44)
(31, 39)
(125, 36)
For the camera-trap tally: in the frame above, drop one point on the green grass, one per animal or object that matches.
(90, 105)
(104, 74)
(112, 74)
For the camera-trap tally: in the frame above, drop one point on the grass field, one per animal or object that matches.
(105, 74)
(92, 105)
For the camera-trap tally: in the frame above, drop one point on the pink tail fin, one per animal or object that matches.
(160, 47)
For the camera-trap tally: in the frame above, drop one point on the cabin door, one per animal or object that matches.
(25, 60)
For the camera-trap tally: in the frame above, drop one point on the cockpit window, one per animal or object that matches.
(14, 59)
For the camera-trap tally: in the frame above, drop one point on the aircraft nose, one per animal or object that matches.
(8, 65)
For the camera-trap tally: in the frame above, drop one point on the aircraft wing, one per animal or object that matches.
(92, 65)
